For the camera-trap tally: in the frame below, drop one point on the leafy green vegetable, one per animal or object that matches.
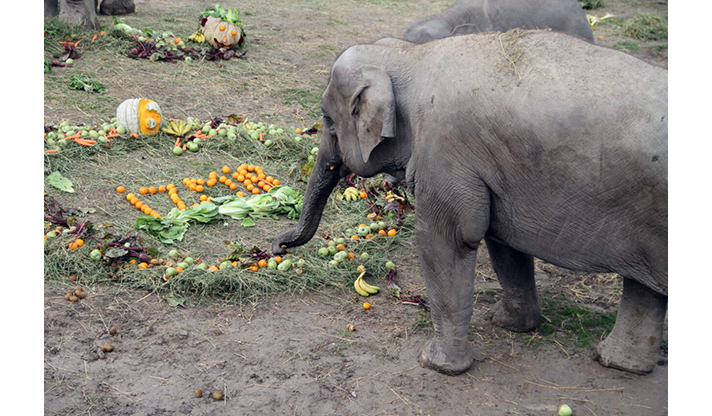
(229, 15)
(173, 225)
(79, 82)
(278, 200)
(60, 182)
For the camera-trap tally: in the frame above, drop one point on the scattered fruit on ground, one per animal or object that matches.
(366, 306)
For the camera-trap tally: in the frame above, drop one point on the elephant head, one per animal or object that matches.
(359, 108)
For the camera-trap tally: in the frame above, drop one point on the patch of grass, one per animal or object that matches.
(424, 321)
(646, 26)
(310, 101)
(327, 50)
(565, 320)
(632, 47)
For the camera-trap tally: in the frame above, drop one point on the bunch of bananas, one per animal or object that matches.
(390, 197)
(197, 37)
(351, 194)
(363, 288)
(177, 128)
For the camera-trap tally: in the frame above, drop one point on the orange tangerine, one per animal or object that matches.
(222, 179)
(250, 187)
(266, 188)
(276, 182)
(203, 197)
(240, 178)
(161, 189)
(255, 191)
(250, 168)
(225, 169)
(240, 193)
(139, 205)
(199, 188)
(200, 182)
(120, 189)
(152, 190)
(143, 190)
(130, 196)
(269, 179)
(228, 182)
(233, 186)
(262, 263)
(392, 232)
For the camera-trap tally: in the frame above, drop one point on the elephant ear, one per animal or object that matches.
(373, 106)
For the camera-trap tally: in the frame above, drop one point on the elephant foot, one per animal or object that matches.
(515, 316)
(452, 360)
(634, 343)
(624, 356)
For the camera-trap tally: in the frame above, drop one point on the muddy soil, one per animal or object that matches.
(293, 354)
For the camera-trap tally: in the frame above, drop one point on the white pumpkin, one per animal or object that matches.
(216, 29)
(139, 115)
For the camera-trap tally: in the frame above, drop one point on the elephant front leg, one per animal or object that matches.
(634, 343)
(519, 308)
(448, 270)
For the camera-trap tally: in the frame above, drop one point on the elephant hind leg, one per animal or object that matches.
(634, 343)
(519, 309)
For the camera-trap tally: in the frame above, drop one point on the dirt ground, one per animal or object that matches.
(292, 355)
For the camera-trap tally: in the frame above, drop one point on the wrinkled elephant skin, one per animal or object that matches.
(561, 155)
(476, 16)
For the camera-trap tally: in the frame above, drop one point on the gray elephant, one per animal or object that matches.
(559, 153)
(475, 16)
(83, 12)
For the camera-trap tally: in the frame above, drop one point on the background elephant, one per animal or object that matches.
(475, 16)
(83, 12)
(561, 156)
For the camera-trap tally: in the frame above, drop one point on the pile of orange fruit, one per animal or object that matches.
(251, 177)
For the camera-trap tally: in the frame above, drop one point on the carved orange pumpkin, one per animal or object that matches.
(139, 115)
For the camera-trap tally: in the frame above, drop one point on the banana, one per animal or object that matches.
(369, 288)
(351, 194)
(197, 37)
(176, 128)
(359, 289)
(390, 197)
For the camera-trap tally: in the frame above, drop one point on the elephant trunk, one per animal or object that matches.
(322, 181)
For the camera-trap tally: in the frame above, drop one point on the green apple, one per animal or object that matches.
(390, 265)
(173, 253)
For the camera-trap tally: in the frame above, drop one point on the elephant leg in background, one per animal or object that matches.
(117, 7)
(51, 8)
(449, 278)
(519, 308)
(634, 343)
(79, 12)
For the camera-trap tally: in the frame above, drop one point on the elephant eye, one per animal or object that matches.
(329, 124)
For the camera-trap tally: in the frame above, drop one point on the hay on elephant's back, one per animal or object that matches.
(512, 50)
